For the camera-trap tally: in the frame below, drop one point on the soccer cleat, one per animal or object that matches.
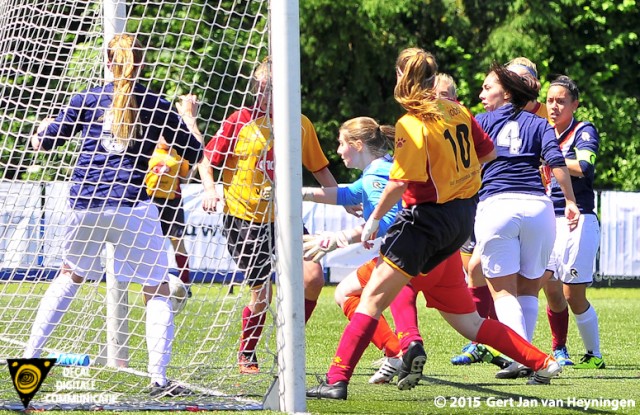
(590, 361)
(561, 355)
(387, 371)
(169, 390)
(377, 364)
(471, 353)
(413, 362)
(248, 363)
(328, 390)
(514, 371)
(544, 375)
(496, 358)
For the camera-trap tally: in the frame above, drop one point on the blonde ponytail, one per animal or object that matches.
(416, 71)
(125, 55)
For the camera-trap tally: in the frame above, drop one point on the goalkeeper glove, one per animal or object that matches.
(315, 247)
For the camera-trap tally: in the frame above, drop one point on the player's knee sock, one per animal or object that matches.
(501, 337)
(483, 299)
(183, 265)
(587, 323)
(252, 325)
(383, 338)
(159, 333)
(510, 313)
(559, 324)
(309, 306)
(405, 317)
(529, 305)
(354, 341)
(53, 305)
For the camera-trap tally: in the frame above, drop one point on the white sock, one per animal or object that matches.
(53, 306)
(509, 313)
(529, 305)
(160, 331)
(588, 327)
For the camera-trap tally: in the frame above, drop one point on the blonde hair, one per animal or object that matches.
(525, 68)
(416, 70)
(125, 55)
(446, 79)
(261, 73)
(377, 138)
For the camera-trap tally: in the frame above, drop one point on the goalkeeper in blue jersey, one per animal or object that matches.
(119, 124)
(363, 145)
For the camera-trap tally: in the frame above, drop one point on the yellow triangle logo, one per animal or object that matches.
(27, 376)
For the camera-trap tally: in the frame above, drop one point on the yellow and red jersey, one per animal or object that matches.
(439, 158)
(243, 148)
(166, 169)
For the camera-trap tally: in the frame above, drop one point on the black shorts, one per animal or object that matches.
(469, 245)
(171, 216)
(252, 247)
(424, 235)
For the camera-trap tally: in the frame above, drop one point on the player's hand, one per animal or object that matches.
(210, 200)
(187, 105)
(572, 213)
(369, 231)
(36, 140)
(355, 210)
(315, 247)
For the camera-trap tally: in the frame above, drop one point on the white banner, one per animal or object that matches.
(620, 236)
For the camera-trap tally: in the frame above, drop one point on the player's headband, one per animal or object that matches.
(526, 68)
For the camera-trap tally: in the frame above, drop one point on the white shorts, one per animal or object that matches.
(573, 260)
(137, 238)
(515, 234)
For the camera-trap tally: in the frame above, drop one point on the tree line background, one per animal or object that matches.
(348, 52)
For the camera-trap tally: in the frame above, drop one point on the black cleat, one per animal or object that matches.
(169, 390)
(327, 390)
(413, 361)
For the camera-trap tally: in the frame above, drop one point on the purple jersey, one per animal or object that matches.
(106, 173)
(521, 140)
(578, 142)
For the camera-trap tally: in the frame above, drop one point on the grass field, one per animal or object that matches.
(448, 389)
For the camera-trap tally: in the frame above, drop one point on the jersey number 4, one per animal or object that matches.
(509, 137)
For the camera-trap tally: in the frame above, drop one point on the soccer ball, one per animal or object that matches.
(178, 293)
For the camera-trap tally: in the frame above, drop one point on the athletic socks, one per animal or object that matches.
(484, 301)
(588, 327)
(501, 337)
(160, 333)
(309, 306)
(529, 306)
(383, 338)
(510, 313)
(405, 316)
(53, 306)
(354, 341)
(559, 324)
(183, 265)
(252, 326)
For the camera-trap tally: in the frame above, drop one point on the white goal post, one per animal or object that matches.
(51, 50)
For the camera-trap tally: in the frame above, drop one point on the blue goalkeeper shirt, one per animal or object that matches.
(521, 140)
(368, 190)
(106, 173)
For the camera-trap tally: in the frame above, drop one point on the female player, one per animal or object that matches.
(363, 145)
(514, 246)
(572, 262)
(243, 150)
(120, 124)
(436, 169)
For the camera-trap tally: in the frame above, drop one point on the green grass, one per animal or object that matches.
(473, 389)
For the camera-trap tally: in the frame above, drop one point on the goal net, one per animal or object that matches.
(51, 50)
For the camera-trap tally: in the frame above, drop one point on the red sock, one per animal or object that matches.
(309, 306)
(383, 338)
(484, 301)
(405, 315)
(559, 323)
(251, 329)
(354, 341)
(501, 337)
(183, 265)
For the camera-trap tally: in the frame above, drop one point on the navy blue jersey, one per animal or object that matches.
(106, 173)
(578, 142)
(521, 140)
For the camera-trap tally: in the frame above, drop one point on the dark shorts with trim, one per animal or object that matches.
(171, 216)
(424, 235)
(251, 246)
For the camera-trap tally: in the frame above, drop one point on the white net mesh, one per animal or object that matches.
(50, 50)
